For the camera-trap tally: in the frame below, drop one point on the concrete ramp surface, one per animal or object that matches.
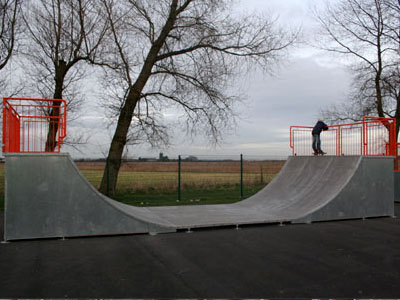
(47, 196)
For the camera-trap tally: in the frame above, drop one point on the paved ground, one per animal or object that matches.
(352, 259)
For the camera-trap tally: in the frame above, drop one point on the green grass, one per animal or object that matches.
(188, 196)
(160, 188)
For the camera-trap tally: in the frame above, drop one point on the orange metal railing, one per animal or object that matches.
(373, 136)
(33, 125)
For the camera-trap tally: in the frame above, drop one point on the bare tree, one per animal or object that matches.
(10, 29)
(61, 35)
(9, 11)
(366, 32)
(180, 56)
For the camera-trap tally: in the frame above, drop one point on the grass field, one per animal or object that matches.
(156, 183)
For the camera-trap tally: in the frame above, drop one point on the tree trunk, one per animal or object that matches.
(397, 117)
(51, 141)
(378, 89)
(110, 175)
(378, 79)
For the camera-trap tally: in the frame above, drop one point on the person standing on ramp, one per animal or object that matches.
(316, 142)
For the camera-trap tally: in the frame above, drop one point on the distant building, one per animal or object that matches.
(162, 157)
(147, 159)
(191, 158)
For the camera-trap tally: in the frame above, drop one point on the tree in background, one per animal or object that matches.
(9, 32)
(179, 57)
(60, 35)
(366, 32)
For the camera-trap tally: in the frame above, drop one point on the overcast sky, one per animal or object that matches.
(308, 81)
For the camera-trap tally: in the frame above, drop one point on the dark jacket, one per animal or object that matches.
(319, 127)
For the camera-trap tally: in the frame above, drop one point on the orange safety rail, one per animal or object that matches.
(373, 136)
(33, 125)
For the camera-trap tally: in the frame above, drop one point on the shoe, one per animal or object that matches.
(315, 153)
(322, 153)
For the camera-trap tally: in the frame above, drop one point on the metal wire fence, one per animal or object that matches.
(188, 179)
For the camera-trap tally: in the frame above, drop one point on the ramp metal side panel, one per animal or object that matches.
(47, 196)
(307, 189)
(368, 193)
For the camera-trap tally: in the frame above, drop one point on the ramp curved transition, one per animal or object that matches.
(47, 196)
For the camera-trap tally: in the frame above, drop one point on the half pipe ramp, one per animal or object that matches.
(46, 196)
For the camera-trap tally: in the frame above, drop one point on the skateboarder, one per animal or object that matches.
(316, 143)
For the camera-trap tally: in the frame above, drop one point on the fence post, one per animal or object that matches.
(241, 175)
(261, 175)
(179, 177)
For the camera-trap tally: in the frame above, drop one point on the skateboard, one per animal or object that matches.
(319, 153)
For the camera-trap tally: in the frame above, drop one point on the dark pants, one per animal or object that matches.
(316, 143)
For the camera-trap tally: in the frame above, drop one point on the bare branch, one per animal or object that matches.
(366, 31)
(9, 15)
(61, 34)
(179, 57)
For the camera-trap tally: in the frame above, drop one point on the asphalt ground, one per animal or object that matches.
(342, 259)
